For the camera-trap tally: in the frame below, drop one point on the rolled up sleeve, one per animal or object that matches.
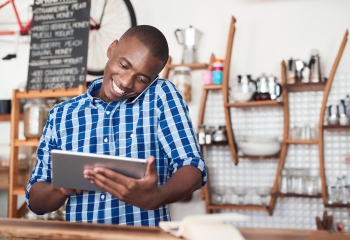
(42, 170)
(176, 134)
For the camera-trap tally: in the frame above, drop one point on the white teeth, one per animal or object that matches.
(117, 89)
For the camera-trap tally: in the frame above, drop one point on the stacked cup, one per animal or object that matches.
(218, 67)
(214, 76)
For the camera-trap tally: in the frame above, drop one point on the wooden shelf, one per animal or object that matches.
(214, 144)
(49, 93)
(336, 127)
(305, 87)
(20, 167)
(193, 66)
(27, 143)
(302, 141)
(337, 205)
(18, 191)
(238, 207)
(212, 87)
(255, 104)
(319, 195)
(7, 117)
(259, 157)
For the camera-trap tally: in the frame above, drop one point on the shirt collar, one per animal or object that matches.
(95, 87)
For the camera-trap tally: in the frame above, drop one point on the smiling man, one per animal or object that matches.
(129, 112)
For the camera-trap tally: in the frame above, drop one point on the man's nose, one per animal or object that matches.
(126, 81)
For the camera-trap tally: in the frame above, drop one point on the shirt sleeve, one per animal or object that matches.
(175, 131)
(42, 169)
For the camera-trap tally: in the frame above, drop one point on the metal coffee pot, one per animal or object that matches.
(333, 115)
(275, 89)
(295, 71)
(315, 68)
(262, 92)
(189, 38)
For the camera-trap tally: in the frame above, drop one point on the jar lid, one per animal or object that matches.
(218, 60)
(182, 69)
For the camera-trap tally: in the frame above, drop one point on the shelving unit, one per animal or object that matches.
(231, 140)
(266, 103)
(305, 87)
(210, 208)
(7, 117)
(336, 127)
(278, 194)
(286, 141)
(321, 127)
(271, 157)
(14, 187)
(302, 141)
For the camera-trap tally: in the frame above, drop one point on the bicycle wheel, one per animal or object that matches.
(109, 20)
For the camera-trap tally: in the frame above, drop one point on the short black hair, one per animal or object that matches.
(152, 38)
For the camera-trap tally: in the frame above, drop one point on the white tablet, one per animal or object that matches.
(67, 168)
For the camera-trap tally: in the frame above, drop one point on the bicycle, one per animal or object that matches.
(108, 21)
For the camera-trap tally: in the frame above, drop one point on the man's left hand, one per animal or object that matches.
(143, 193)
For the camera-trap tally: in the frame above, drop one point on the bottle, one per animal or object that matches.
(182, 81)
(209, 136)
(201, 135)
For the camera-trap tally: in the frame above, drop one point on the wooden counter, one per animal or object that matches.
(40, 229)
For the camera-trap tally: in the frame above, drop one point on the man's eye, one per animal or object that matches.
(123, 66)
(142, 80)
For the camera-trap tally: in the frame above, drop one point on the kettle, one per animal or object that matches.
(262, 89)
(189, 38)
(315, 68)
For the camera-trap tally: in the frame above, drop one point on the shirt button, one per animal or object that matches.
(131, 135)
(102, 197)
(105, 140)
(96, 101)
(108, 112)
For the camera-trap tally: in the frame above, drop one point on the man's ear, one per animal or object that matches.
(111, 48)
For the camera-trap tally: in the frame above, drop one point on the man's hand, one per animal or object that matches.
(143, 193)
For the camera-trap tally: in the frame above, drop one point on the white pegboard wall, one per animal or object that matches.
(290, 212)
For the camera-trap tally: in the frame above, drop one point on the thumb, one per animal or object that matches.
(150, 169)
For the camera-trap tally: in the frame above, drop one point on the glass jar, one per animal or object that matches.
(284, 182)
(35, 115)
(182, 81)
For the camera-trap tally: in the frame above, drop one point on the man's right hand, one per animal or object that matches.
(43, 197)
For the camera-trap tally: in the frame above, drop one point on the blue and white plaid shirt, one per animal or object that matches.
(156, 124)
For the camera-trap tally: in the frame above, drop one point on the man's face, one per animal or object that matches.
(131, 68)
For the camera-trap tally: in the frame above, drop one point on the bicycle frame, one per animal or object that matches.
(23, 29)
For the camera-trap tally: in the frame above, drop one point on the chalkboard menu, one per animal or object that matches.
(59, 44)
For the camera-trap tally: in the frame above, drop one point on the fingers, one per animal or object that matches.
(104, 178)
(151, 168)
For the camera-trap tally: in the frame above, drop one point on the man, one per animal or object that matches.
(132, 113)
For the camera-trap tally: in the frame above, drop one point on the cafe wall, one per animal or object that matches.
(267, 31)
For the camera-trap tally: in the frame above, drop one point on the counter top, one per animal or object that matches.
(40, 229)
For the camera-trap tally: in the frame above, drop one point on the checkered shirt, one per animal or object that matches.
(157, 124)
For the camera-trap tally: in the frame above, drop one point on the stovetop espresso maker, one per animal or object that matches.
(189, 38)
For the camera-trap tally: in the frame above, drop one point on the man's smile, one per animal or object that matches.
(116, 88)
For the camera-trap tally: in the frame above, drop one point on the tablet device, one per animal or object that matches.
(67, 168)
